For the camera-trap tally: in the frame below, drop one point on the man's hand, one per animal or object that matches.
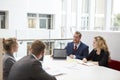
(72, 56)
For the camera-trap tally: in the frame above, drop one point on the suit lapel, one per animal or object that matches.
(79, 47)
(72, 45)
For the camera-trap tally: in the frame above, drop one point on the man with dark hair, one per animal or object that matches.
(29, 67)
(76, 48)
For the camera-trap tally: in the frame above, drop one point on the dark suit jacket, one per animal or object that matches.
(29, 68)
(8, 61)
(81, 52)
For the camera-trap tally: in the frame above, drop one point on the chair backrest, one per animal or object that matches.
(114, 64)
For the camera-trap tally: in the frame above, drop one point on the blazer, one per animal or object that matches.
(8, 61)
(29, 68)
(81, 52)
(102, 58)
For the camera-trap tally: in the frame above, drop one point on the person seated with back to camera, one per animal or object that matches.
(77, 49)
(10, 46)
(100, 54)
(29, 67)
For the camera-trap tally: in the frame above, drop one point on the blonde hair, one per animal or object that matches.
(101, 43)
(8, 43)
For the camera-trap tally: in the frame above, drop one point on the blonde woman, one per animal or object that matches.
(100, 54)
(10, 46)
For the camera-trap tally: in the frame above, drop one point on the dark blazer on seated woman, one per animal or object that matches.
(8, 62)
(81, 52)
(10, 46)
(102, 58)
(29, 68)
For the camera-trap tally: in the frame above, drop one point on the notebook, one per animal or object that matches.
(59, 54)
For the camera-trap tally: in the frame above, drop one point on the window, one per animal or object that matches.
(100, 6)
(49, 47)
(85, 6)
(99, 23)
(115, 18)
(84, 22)
(85, 15)
(32, 20)
(116, 22)
(64, 7)
(46, 21)
(2, 20)
(74, 6)
(42, 21)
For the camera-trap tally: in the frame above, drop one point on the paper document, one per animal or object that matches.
(80, 62)
(88, 63)
(73, 66)
(55, 71)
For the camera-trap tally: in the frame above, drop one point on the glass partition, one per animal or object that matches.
(24, 46)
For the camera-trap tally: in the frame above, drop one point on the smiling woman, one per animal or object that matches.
(100, 53)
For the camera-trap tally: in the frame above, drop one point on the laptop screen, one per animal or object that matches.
(59, 54)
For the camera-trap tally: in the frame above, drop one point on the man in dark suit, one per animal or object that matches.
(29, 67)
(76, 48)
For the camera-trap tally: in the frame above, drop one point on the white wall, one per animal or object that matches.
(38, 34)
(44, 6)
(7, 33)
(16, 13)
(18, 9)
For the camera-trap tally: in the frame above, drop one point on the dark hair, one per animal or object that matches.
(8, 43)
(37, 46)
(77, 32)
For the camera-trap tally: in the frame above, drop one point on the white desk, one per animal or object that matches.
(75, 71)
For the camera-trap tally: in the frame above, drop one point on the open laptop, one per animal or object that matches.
(59, 54)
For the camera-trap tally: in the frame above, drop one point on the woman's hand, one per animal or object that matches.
(84, 60)
(95, 62)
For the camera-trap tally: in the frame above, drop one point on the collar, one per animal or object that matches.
(34, 56)
(10, 54)
(77, 44)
